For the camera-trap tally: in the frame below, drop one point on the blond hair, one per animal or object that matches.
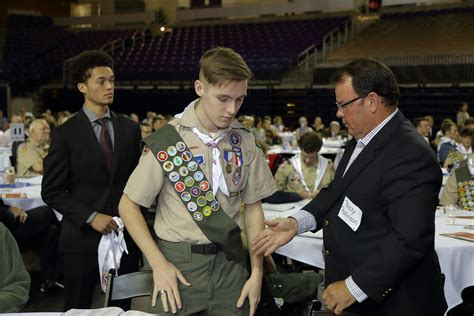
(221, 65)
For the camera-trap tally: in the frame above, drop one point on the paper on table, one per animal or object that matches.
(284, 206)
(460, 235)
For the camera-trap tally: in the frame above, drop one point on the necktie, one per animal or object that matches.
(218, 181)
(106, 143)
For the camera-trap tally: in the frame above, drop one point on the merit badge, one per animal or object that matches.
(168, 166)
(207, 210)
(200, 159)
(195, 191)
(173, 176)
(210, 196)
(198, 175)
(186, 196)
(180, 146)
(192, 206)
(183, 171)
(234, 138)
(179, 186)
(228, 168)
(171, 151)
(204, 185)
(215, 206)
(192, 165)
(197, 216)
(237, 176)
(162, 156)
(189, 181)
(187, 156)
(201, 201)
(177, 161)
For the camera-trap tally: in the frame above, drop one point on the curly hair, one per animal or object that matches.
(82, 64)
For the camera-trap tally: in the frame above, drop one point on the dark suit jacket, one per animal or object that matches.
(76, 179)
(395, 182)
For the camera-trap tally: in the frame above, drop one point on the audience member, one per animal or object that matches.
(463, 149)
(469, 124)
(448, 141)
(462, 114)
(14, 280)
(31, 153)
(145, 129)
(318, 125)
(134, 117)
(459, 187)
(305, 173)
(88, 164)
(303, 128)
(278, 124)
(158, 122)
(258, 131)
(423, 127)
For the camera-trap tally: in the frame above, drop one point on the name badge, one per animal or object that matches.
(350, 213)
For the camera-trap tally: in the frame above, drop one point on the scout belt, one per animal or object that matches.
(195, 191)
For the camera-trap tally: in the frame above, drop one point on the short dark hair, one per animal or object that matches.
(469, 121)
(418, 120)
(466, 132)
(370, 75)
(310, 142)
(82, 64)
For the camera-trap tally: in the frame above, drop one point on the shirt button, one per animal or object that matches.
(326, 252)
(326, 223)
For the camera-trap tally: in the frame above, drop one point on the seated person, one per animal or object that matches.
(305, 173)
(448, 140)
(145, 129)
(462, 151)
(271, 138)
(460, 185)
(303, 129)
(14, 280)
(31, 153)
(38, 228)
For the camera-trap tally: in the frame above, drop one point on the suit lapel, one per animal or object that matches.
(344, 160)
(365, 157)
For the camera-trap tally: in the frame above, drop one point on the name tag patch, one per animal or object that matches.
(350, 213)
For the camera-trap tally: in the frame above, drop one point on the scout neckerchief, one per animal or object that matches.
(465, 184)
(321, 169)
(195, 192)
(218, 181)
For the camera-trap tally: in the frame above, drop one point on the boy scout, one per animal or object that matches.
(305, 173)
(32, 152)
(202, 165)
(459, 188)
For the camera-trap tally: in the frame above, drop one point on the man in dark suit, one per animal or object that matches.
(89, 162)
(378, 213)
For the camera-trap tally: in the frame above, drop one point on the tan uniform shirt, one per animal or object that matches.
(289, 180)
(450, 191)
(173, 221)
(29, 153)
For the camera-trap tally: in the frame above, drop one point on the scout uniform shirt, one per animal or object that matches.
(29, 153)
(172, 221)
(289, 180)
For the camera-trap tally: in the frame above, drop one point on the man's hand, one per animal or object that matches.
(103, 223)
(165, 276)
(337, 297)
(19, 213)
(252, 290)
(279, 232)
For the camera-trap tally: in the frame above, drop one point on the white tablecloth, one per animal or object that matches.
(456, 257)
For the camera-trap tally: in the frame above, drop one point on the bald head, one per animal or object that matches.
(39, 131)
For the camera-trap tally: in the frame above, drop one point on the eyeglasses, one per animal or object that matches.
(343, 106)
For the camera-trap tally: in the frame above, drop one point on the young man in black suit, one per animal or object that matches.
(89, 162)
(378, 213)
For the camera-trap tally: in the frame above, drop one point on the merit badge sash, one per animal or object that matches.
(465, 184)
(195, 191)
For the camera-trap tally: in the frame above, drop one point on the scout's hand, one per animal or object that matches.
(19, 213)
(165, 276)
(104, 224)
(252, 290)
(337, 297)
(279, 232)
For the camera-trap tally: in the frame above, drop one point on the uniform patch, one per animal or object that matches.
(168, 166)
(201, 201)
(207, 210)
(210, 196)
(162, 156)
(200, 159)
(204, 185)
(215, 206)
(234, 138)
(183, 171)
(192, 207)
(195, 191)
(237, 176)
(187, 156)
(197, 216)
(186, 196)
(189, 181)
(192, 165)
(177, 161)
(198, 175)
(173, 176)
(179, 186)
(180, 146)
(171, 151)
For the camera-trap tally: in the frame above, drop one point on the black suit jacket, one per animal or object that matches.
(395, 182)
(76, 179)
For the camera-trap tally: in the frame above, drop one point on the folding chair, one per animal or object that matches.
(128, 285)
